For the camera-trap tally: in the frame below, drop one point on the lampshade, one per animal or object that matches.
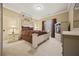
(13, 26)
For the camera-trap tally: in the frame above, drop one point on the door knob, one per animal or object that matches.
(3, 30)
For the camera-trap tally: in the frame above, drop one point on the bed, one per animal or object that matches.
(33, 36)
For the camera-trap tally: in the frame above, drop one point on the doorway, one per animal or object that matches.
(54, 21)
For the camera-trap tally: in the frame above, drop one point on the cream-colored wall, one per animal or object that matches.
(76, 18)
(27, 21)
(30, 22)
(10, 18)
(63, 18)
(37, 25)
(71, 15)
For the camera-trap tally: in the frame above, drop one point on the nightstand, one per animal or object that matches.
(13, 37)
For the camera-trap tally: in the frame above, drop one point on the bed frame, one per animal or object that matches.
(26, 33)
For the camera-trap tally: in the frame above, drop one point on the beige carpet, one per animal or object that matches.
(18, 48)
(52, 47)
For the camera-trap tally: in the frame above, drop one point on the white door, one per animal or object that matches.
(5, 28)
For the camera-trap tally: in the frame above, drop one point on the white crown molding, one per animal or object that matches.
(18, 12)
(11, 9)
(71, 6)
(53, 14)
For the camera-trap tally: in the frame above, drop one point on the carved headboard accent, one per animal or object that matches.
(26, 33)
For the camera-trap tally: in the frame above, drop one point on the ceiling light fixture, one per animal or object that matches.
(38, 7)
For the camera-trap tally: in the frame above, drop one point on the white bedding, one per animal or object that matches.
(17, 48)
(36, 40)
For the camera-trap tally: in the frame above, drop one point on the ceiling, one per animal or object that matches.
(29, 9)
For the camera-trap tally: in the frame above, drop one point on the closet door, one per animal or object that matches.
(43, 26)
(54, 21)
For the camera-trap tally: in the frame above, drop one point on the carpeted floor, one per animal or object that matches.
(51, 47)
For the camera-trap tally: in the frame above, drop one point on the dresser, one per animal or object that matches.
(13, 37)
